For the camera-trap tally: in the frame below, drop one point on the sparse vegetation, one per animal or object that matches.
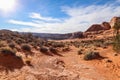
(7, 50)
(11, 45)
(66, 49)
(116, 41)
(91, 55)
(80, 51)
(2, 44)
(116, 27)
(53, 50)
(19, 50)
(58, 44)
(43, 49)
(116, 44)
(26, 47)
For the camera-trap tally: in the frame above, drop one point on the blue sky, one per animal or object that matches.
(58, 16)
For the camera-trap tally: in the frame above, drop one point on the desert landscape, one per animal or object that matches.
(85, 55)
(59, 39)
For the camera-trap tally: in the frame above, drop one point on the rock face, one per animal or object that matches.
(77, 35)
(106, 25)
(98, 27)
(95, 27)
(114, 20)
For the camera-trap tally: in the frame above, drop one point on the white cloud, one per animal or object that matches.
(38, 16)
(23, 23)
(118, 0)
(80, 18)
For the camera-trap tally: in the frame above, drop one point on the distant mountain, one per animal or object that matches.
(59, 36)
(48, 35)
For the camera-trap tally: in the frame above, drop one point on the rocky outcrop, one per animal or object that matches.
(114, 20)
(77, 35)
(98, 27)
(95, 27)
(106, 25)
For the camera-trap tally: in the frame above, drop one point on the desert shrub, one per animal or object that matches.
(11, 45)
(7, 50)
(26, 47)
(49, 43)
(104, 46)
(108, 41)
(58, 44)
(19, 41)
(97, 44)
(43, 49)
(34, 45)
(80, 51)
(2, 44)
(91, 55)
(9, 40)
(76, 44)
(53, 50)
(116, 43)
(66, 49)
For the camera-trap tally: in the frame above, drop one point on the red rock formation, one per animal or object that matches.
(98, 27)
(114, 20)
(106, 25)
(95, 27)
(77, 35)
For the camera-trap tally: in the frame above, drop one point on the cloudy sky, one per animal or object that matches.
(55, 16)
